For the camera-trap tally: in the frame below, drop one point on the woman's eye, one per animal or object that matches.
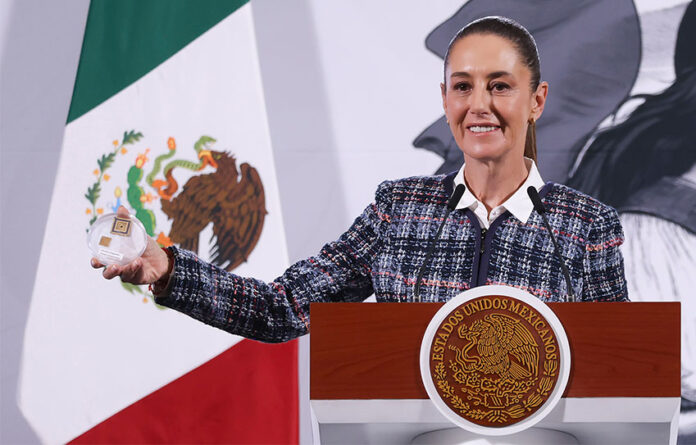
(500, 87)
(462, 86)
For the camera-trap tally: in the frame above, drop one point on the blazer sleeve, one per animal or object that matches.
(603, 267)
(279, 311)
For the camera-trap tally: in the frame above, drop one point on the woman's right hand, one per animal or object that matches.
(150, 267)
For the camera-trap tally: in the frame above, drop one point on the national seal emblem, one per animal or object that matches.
(494, 360)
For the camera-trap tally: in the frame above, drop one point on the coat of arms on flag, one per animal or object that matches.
(216, 192)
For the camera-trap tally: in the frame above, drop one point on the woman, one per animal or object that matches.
(492, 96)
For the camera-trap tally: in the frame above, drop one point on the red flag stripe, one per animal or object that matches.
(246, 395)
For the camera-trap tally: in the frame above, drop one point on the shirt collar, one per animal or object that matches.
(518, 204)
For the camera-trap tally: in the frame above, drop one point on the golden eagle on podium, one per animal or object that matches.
(497, 337)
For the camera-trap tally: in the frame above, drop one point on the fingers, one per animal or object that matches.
(112, 271)
(95, 263)
(122, 212)
(128, 273)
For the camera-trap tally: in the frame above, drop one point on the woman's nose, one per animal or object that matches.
(479, 101)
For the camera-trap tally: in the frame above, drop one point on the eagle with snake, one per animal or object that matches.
(230, 198)
(505, 347)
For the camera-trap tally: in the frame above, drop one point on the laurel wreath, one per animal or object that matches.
(537, 397)
(103, 164)
(515, 411)
(446, 388)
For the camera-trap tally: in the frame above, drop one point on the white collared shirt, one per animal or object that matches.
(518, 204)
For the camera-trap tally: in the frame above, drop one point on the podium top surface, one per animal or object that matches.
(371, 351)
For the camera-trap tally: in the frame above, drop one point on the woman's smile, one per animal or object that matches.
(480, 130)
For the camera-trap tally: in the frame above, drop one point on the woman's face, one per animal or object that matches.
(488, 99)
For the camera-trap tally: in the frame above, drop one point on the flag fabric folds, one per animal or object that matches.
(168, 119)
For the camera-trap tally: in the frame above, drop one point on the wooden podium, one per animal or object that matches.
(624, 385)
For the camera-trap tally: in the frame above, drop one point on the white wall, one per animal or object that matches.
(40, 44)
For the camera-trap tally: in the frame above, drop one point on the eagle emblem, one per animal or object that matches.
(505, 348)
(494, 361)
(231, 199)
(218, 197)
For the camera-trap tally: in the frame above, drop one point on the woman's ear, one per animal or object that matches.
(539, 101)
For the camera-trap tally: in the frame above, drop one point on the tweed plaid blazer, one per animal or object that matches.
(386, 245)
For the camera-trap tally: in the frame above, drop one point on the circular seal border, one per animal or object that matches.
(485, 291)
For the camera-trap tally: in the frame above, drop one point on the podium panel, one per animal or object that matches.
(624, 385)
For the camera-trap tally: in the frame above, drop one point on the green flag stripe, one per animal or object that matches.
(125, 39)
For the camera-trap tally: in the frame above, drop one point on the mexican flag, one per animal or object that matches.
(168, 119)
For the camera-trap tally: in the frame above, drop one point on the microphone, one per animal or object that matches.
(451, 205)
(539, 207)
(456, 196)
